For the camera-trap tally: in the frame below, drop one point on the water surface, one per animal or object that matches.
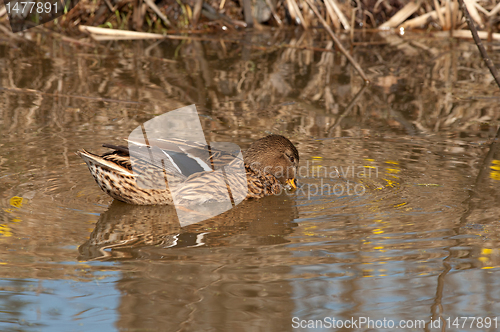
(418, 243)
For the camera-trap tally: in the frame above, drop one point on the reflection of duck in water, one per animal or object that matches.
(270, 163)
(128, 231)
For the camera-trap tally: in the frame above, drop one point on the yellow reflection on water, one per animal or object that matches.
(5, 230)
(495, 170)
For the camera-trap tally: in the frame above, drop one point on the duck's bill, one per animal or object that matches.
(292, 183)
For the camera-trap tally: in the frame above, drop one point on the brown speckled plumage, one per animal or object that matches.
(263, 162)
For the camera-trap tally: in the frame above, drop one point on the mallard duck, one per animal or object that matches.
(270, 165)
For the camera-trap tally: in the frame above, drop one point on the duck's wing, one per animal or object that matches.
(143, 159)
(146, 161)
(182, 158)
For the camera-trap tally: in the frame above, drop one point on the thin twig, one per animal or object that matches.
(247, 12)
(152, 5)
(11, 34)
(212, 14)
(111, 34)
(481, 175)
(46, 31)
(294, 10)
(332, 5)
(401, 15)
(338, 43)
(273, 11)
(438, 12)
(479, 44)
(197, 10)
(111, 8)
(470, 4)
(495, 10)
(347, 110)
(467, 34)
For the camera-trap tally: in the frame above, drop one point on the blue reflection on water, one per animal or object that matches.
(60, 305)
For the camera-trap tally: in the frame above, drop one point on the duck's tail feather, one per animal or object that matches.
(93, 160)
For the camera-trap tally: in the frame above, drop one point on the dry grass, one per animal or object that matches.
(212, 15)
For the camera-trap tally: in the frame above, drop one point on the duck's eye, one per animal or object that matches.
(292, 159)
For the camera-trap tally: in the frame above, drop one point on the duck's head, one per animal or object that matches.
(276, 155)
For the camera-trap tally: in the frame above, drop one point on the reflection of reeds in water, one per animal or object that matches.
(236, 88)
(435, 88)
